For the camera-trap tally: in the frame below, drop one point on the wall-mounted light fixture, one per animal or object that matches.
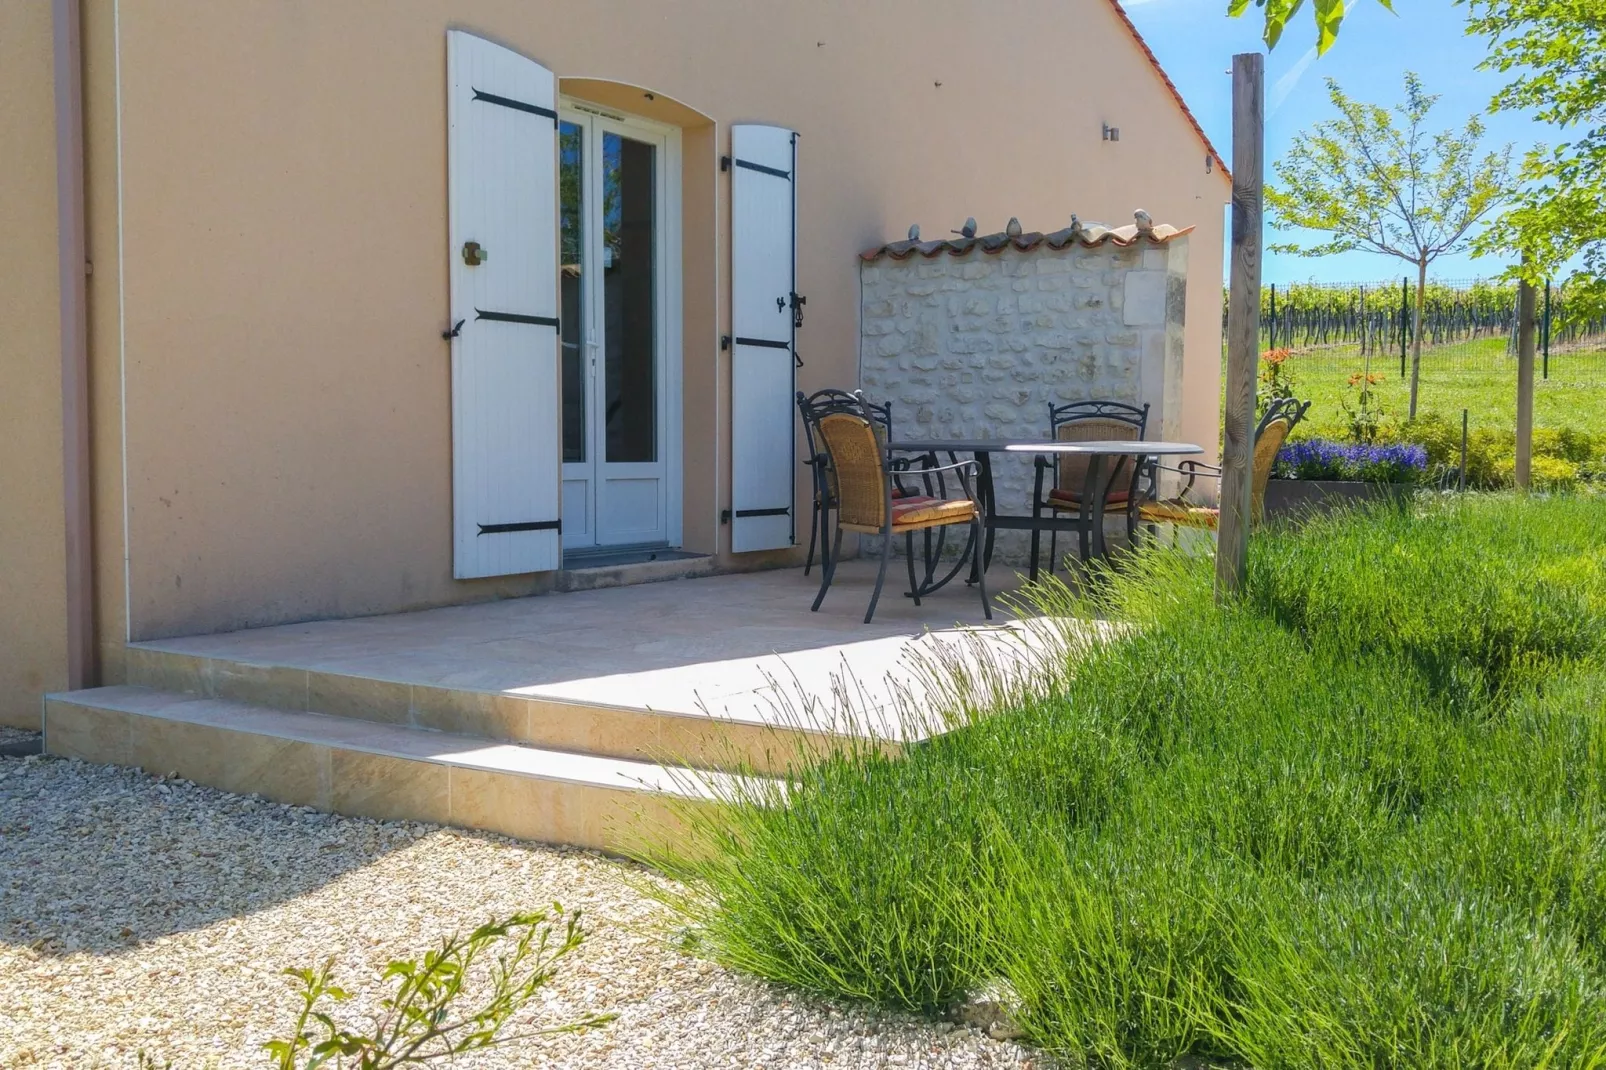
(1112, 133)
(1210, 163)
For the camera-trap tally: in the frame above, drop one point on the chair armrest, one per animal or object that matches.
(963, 469)
(1192, 470)
(1195, 467)
(956, 466)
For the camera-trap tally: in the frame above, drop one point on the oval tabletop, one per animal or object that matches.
(1036, 445)
(964, 445)
(1107, 446)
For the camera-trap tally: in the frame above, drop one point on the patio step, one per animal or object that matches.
(637, 734)
(388, 772)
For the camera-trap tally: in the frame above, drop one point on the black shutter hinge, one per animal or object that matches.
(456, 329)
(724, 163)
(798, 301)
(724, 516)
(724, 342)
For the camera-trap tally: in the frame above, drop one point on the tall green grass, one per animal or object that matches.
(1356, 819)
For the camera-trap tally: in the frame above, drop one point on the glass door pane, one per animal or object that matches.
(571, 222)
(629, 267)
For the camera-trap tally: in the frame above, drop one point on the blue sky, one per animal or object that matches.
(1195, 41)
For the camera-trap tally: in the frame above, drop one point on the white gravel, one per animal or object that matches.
(138, 914)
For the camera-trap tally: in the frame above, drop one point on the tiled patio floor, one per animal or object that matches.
(741, 647)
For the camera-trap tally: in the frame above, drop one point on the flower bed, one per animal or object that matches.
(1316, 475)
(1318, 459)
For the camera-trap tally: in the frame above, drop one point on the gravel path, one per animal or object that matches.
(16, 735)
(142, 914)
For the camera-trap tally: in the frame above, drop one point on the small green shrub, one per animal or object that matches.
(421, 1021)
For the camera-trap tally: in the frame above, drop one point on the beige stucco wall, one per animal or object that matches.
(283, 178)
(33, 629)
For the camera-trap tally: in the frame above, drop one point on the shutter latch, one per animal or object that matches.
(798, 301)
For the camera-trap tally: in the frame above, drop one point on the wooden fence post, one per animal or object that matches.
(1243, 320)
(1525, 383)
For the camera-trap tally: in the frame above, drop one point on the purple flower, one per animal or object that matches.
(1321, 459)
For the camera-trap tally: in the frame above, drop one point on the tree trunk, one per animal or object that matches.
(1416, 342)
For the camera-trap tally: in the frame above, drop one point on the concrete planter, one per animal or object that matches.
(1292, 498)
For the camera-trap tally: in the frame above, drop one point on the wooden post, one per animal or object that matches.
(1243, 320)
(1525, 383)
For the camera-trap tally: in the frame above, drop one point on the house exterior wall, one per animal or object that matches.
(269, 380)
(980, 345)
(33, 629)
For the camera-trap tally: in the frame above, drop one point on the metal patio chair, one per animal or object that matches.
(813, 407)
(865, 503)
(1085, 421)
(1270, 434)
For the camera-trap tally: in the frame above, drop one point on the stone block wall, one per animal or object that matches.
(978, 345)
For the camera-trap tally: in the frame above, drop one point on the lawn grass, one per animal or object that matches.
(1476, 376)
(1355, 819)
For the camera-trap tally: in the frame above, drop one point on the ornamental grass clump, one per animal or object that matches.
(1478, 594)
(1354, 819)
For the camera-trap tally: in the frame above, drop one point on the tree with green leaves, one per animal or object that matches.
(1558, 50)
(1329, 16)
(1387, 187)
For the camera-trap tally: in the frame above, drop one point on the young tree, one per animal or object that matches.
(1385, 188)
(1329, 15)
(1559, 48)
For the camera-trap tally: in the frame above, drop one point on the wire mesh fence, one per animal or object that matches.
(1338, 336)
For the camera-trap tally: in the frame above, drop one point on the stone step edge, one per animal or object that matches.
(643, 734)
(136, 673)
(399, 742)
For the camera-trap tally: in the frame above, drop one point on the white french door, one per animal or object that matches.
(615, 235)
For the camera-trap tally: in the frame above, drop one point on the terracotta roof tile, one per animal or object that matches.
(1089, 235)
(1187, 113)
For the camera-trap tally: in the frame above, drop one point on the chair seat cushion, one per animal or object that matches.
(929, 511)
(1178, 511)
(1073, 498)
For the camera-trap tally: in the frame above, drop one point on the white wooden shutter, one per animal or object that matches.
(506, 452)
(763, 289)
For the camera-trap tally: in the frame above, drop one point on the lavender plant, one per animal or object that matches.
(1321, 459)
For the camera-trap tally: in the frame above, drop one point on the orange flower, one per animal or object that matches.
(1275, 356)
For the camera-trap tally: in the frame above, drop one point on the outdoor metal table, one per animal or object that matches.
(993, 520)
(1094, 493)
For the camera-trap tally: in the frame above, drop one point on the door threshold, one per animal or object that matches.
(624, 566)
(611, 556)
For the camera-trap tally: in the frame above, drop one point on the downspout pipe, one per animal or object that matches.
(73, 262)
